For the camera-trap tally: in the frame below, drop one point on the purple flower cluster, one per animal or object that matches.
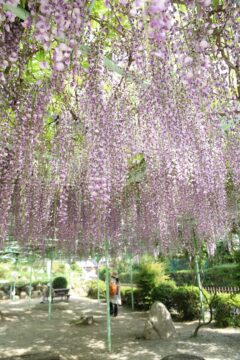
(142, 160)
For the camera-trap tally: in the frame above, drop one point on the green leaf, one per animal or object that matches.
(110, 65)
(182, 7)
(215, 3)
(84, 49)
(17, 11)
(225, 126)
(85, 64)
(92, 5)
(23, 14)
(98, 8)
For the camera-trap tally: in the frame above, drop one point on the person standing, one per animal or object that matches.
(115, 295)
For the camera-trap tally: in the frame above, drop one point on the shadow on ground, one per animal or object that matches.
(25, 328)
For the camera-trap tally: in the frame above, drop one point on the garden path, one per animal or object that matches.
(26, 328)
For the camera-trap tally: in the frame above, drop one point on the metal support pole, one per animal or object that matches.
(200, 288)
(131, 282)
(13, 290)
(69, 275)
(109, 339)
(49, 264)
(30, 284)
(98, 287)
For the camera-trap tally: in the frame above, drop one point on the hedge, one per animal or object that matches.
(93, 289)
(187, 302)
(219, 275)
(185, 299)
(222, 275)
(183, 277)
(140, 302)
(125, 277)
(125, 294)
(21, 286)
(227, 310)
(164, 293)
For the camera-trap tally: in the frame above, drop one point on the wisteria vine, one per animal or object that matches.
(119, 123)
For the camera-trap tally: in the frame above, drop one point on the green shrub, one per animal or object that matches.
(102, 273)
(93, 289)
(125, 277)
(3, 273)
(218, 275)
(125, 291)
(176, 263)
(222, 275)
(59, 282)
(164, 293)
(76, 267)
(22, 286)
(227, 310)
(138, 297)
(236, 255)
(150, 274)
(58, 267)
(187, 302)
(183, 277)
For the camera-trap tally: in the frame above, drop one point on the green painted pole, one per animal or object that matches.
(30, 285)
(14, 286)
(97, 258)
(200, 287)
(14, 290)
(131, 281)
(50, 288)
(202, 317)
(109, 339)
(98, 288)
(70, 278)
(69, 275)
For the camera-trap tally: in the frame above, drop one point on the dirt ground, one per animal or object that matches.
(25, 328)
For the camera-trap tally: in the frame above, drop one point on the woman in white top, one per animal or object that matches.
(115, 295)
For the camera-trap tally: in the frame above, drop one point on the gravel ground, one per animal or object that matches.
(24, 327)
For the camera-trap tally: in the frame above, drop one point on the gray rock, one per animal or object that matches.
(159, 324)
(182, 357)
(36, 293)
(2, 294)
(87, 320)
(23, 295)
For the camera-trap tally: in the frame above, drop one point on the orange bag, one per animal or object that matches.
(113, 289)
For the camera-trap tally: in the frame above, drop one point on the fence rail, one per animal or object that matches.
(223, 289)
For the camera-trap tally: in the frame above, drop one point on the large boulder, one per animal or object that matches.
(159, 324)
(36, 293)
(2, 295)
(182, 357)
(23, 295)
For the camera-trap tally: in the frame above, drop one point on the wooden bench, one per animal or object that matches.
(63, 293)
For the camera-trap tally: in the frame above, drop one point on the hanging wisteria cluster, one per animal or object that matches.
(119, 123)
